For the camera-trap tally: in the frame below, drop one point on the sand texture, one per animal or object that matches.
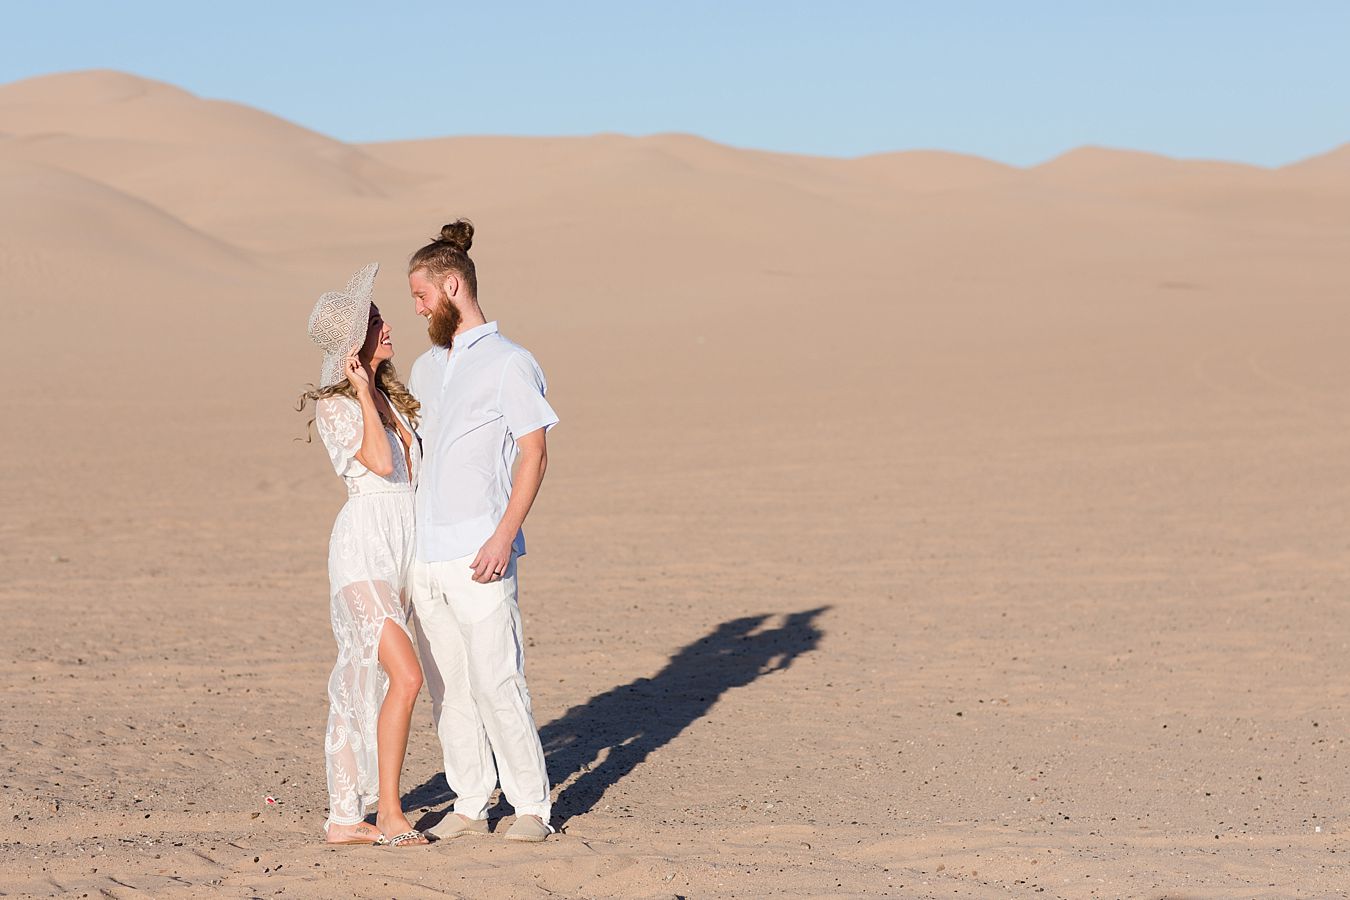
(917, 526)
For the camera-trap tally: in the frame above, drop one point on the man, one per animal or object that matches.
(483, 408)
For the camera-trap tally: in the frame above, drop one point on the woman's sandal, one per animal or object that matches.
(372, 842)
(414, 838)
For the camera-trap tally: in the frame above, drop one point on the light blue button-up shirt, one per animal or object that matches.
(477, 399)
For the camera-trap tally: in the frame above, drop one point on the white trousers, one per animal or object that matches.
(470, 642)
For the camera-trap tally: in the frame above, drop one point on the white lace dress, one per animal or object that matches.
(370, 558)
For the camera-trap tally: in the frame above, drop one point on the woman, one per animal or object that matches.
(366, 419)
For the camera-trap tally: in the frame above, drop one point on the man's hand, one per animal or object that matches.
(491, 562)
(492, 559)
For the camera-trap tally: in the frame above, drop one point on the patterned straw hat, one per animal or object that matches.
(338, 324)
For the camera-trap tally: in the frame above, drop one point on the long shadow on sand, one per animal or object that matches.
(633, 720)
(637, 718)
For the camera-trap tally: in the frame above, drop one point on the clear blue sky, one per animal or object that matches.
(1264, 82)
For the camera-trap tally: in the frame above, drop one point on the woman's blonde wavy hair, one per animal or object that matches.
(386, 379)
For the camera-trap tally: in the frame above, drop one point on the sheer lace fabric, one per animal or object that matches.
(370, 557)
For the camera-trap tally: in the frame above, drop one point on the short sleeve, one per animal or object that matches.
(522, 396)
(415, 378)
(338, 420)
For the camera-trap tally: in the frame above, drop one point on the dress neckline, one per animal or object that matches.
(407, 447)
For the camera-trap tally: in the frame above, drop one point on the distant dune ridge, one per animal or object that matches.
(917, 524)
(193, 156)
(249, 179)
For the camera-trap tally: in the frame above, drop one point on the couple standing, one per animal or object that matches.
(432, 515)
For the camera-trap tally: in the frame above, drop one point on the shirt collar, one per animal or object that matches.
(466, 339)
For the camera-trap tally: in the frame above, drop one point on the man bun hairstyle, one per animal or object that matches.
(458, 233)
(448, 253)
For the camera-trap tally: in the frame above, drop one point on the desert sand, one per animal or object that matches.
(918, 526)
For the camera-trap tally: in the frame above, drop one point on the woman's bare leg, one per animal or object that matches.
(399, 661)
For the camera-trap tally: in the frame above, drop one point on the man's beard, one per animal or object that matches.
(443, 324)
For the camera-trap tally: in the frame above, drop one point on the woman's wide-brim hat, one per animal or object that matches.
(339, 322)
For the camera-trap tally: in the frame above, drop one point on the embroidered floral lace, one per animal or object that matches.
(369, 566)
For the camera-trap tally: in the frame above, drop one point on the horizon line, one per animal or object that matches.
(1060, 154)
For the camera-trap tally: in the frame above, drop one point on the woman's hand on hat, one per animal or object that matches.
(357, 374)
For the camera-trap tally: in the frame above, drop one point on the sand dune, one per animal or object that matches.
(106, 104)
(930, 170)
(1333, 164)
(59, 210)
(220, 166)
(1085, 165)
(917, 526)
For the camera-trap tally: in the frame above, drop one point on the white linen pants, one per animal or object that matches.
(469, 638)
